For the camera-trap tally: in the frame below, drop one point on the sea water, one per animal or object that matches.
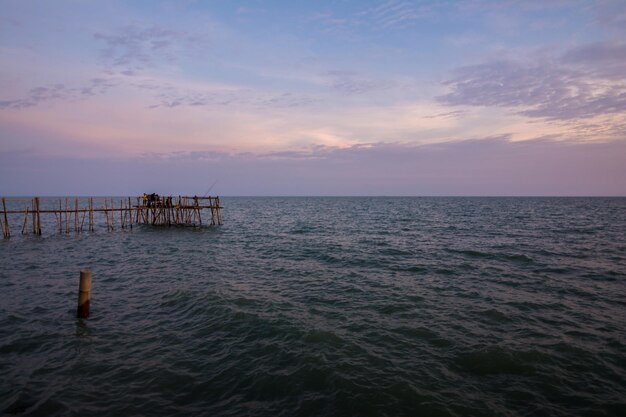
(324, 307)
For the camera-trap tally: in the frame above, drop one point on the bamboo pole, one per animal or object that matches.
(168, 212)
(34, 214)
(91, 219)
(106, 214)
(89, 214)
(219, 214)
(82, 221)
(38, 217)
(67, 216)
(130, 214)
(76, 216)
(6, 230)
(111, 220)
(25, 225)
(112, 217)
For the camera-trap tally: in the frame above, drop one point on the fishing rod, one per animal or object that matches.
(210, 188)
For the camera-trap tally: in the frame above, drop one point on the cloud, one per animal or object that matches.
(351, 82)
(134, 48)
(584, 82)
(600, 59)
(98, 86)
(170, 97)
(127, 52)
(610, 14)
(447, 115)
(170, 93)
(43, 94)
(387, 15)
(393, 13)
(482, 166)
(36, 96)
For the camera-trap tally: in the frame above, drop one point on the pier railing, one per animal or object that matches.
(150, 209)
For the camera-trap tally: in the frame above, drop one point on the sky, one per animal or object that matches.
(388, 97)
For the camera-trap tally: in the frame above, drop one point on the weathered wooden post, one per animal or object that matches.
(130, 213)
(35, 216)
(6, 231)
(91, 228)
(38, 217)
(84, 294)
(25, 225)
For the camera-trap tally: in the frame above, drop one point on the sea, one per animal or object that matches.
(324, 306)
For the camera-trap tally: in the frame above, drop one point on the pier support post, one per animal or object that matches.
(5, 229)
(38, 217)
(84, 294)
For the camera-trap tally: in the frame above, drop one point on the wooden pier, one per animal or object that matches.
(150, 210)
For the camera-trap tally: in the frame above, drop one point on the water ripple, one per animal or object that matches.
(326, 306)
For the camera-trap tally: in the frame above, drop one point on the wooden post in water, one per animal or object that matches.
(60, 216)
(106, 214)
(130, 213)
(219, 214)
(91, 214)
(25, 225)
(38, 218)
(82, 222)
(2, 227)
(76, 224)
(34, 217)
(6, 230)
(67, 216)
(84, 294)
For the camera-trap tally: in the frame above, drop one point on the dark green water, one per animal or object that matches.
(324, 307)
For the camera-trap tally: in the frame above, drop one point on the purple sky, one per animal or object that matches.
(386, 97)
